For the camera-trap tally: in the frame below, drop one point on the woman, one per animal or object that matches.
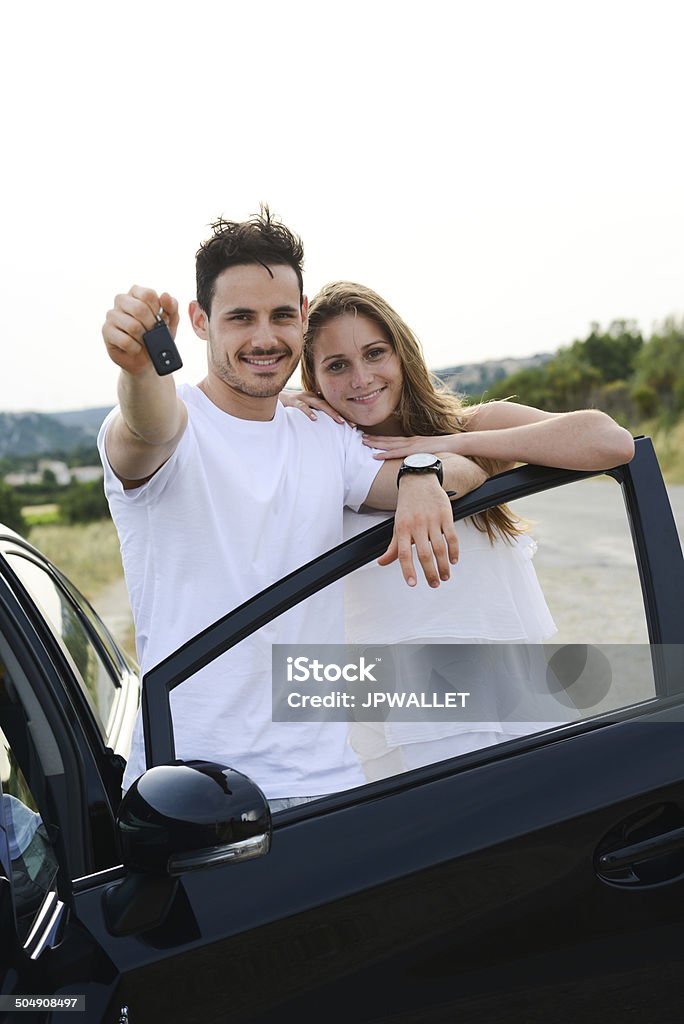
(362, 363)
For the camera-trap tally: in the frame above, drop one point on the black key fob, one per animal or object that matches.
(162, 349)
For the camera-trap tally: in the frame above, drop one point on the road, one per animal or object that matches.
(586, 562)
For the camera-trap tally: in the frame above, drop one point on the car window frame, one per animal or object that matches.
(114, 661)
(61, 795)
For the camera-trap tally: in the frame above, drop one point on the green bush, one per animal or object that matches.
(10, 509)
(646, 398)
(83, 503)
(659, 369)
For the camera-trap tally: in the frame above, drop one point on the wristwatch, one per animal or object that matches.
(421, 462)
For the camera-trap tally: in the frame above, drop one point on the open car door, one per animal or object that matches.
(538, 879)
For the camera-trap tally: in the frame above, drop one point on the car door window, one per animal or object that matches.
(32, 864)
(545, 633)
(585, 562)
(565, 601)
(82, 642)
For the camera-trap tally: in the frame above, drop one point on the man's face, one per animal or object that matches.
(255, 330)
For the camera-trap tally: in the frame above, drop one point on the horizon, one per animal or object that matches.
(433, 369)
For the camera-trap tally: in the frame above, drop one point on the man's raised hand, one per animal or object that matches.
(134, 313)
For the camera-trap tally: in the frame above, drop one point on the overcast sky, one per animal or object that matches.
(503, 172)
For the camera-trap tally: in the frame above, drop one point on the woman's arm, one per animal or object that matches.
(586, 439)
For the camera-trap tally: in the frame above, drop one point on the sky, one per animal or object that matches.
(504, 173)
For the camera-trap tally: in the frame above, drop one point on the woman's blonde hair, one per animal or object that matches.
(425, 407)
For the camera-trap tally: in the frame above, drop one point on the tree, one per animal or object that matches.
(570, 379)
(10, 509)
(526, 386)
(83, 503)
(658, 385)
(613, 352)
(584, 374)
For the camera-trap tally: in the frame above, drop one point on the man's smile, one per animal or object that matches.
(264, 362)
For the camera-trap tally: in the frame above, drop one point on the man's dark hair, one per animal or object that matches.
(261, 239)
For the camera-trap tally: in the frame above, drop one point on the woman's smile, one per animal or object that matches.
(366, 399)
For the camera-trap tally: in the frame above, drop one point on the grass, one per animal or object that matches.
(669, 446)
(40, 515)
(89, 555)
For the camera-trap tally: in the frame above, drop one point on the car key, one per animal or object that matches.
(162, 349)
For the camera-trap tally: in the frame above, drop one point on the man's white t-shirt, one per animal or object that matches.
(240, 504)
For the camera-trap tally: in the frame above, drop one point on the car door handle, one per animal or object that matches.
(648, 849)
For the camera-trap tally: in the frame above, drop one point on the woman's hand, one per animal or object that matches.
(307, 401)
(400, 447)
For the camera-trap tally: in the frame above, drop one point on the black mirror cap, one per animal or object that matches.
(192, 814)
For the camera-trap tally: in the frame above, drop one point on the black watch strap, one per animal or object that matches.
(411, 464)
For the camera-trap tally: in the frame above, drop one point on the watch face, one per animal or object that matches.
(421, 460)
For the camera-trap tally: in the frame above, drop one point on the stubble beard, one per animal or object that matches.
(269, 387)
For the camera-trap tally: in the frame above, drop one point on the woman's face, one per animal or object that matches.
(357, 371)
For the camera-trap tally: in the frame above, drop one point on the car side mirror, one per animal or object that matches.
(177, 818)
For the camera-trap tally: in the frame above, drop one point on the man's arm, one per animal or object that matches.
(424, 516)
(460, 475)
(152, 418)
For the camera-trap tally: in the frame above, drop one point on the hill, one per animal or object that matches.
(29, 434)
(88, 420)
(474, 379)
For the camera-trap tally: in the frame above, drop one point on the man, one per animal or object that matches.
(217, 491)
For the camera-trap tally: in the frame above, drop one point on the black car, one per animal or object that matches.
(538, 880)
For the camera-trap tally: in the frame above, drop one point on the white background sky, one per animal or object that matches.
(503, 171)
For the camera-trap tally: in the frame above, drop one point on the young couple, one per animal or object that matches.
(217, 490)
